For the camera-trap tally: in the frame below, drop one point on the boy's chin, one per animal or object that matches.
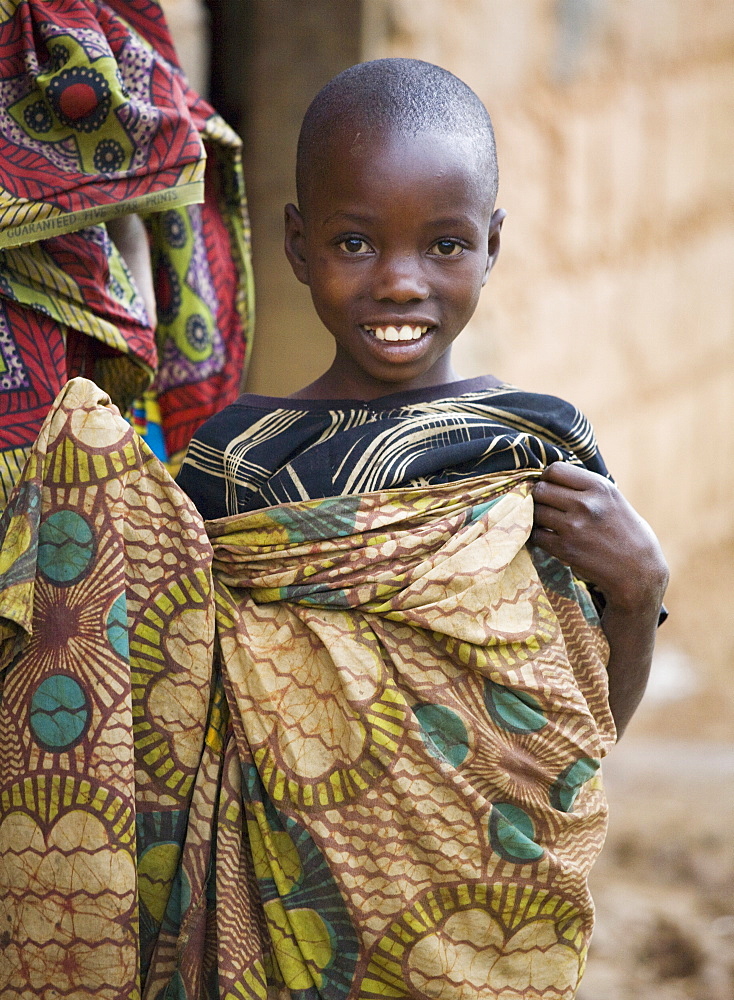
(367, 378)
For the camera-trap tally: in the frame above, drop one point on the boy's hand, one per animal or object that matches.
(583, 520)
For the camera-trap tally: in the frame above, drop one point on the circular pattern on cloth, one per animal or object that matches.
(512, 834)
(515, 711)
(171, 647)
(197, 333)
(168, 292)
(380, 734)
(174, 228)
(97, 430)
(476, 939)
(318, 739)
(59, 55)
(59, 713)
(38, 117)
(109, 156)
(80, 97)
(160, 837)
(444, 733)
(70, 843)
(568, 784)
(66, 547)
(308, 921)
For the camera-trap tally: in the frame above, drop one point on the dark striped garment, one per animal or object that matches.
(262, 450)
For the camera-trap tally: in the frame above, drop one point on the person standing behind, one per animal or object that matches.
(124, 249)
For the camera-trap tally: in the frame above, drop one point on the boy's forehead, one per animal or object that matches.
(355, 151)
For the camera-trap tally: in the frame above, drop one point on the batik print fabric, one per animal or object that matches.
(97, 120)
(341, 748)
(420, 715)
(106, 632)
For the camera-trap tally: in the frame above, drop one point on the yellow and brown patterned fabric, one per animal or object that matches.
(340, 748)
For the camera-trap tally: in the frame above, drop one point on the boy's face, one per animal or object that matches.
(396, 240)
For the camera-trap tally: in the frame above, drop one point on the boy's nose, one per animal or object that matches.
(399, 279)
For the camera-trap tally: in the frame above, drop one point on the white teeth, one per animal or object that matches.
(393, 333)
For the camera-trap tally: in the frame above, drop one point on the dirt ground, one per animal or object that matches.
(664, 885)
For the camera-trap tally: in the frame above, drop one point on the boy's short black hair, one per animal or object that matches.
(403, 96)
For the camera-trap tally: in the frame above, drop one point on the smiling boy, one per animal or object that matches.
(395, 234)
(395, 238)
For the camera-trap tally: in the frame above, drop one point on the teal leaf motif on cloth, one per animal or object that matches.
(515, 711)
(117, 627)
(479, 509)
(556, 576)
(444, 733)
(316, 596)
(59, 713)
(65, 547)
(568, 784)
(512, 834)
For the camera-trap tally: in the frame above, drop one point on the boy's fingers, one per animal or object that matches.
(559, 484)
(550, 518)
(549, 495)
(574, 477)
(551, 543)
(570, 488)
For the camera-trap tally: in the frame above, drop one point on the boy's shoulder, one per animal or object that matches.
(548, 407)
(555, 419)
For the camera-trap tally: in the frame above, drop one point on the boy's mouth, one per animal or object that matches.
(396, 333)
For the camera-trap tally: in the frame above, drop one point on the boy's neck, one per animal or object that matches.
(337, 384)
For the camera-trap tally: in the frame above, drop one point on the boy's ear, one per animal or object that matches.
(493, 240)
(295, 243)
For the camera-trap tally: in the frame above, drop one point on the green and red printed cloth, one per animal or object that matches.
(97, 121)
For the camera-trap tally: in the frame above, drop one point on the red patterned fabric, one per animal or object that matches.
(96, 121)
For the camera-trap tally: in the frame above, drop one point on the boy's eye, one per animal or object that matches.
(446, 248)
(353, 244)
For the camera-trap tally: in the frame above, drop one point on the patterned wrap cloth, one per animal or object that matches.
(341, 748)
(97, 121)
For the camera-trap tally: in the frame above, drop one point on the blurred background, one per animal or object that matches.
(615, 132)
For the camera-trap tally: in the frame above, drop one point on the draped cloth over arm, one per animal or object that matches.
(378, 778)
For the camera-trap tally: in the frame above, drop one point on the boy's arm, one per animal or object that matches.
(582, 519)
